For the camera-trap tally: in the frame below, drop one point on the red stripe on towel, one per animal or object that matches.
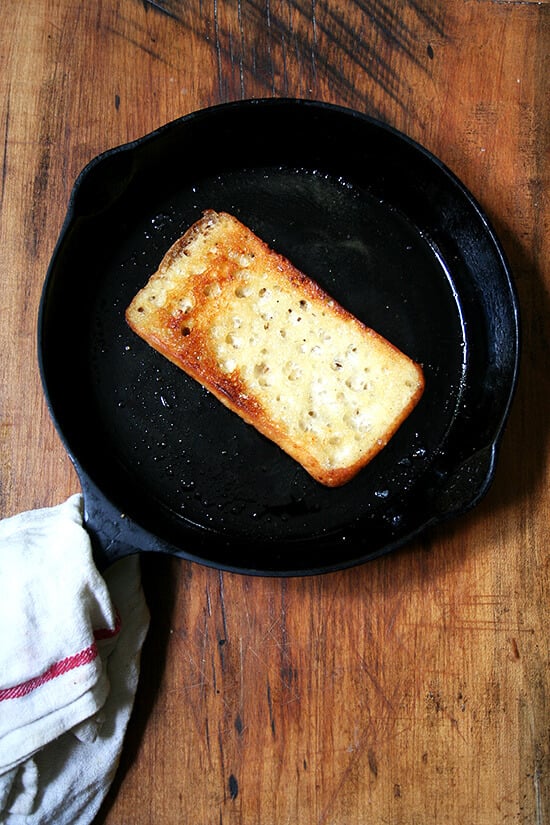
(106, 632)
(84, 657)
(57, 669)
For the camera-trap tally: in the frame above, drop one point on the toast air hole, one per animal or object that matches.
(243, 291)
(211, 290)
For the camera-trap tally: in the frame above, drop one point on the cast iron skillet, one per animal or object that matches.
(385, 228)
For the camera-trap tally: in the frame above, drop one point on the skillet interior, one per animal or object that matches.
(384, 228)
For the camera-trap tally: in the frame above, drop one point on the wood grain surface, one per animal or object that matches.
(413, 690)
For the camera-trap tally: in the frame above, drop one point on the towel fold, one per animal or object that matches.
(69, 664)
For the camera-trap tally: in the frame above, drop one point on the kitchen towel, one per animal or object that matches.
(70, 645)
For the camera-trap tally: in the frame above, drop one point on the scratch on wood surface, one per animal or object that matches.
(222, 604)
(538, 796)
(269, 52)
(218, 49)
(5, 148)
(222, 751)
(327, 44)
(242, 48)
(375, 681)
(356, 756)
(132, 41)
(517, 2)
(483, 612)
(39, 189)
(241, 673)
(270, 709)
(158, 6)
(358, 53)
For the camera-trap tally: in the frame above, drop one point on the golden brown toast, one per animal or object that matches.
(271, 345)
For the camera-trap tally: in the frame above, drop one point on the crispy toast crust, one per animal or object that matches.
(275, 348)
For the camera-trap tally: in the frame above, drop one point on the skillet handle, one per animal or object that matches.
(112, 534)
(464, 487)
(467, 485)
(105, 178)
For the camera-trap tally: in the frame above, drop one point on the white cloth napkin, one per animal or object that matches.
(70, 645)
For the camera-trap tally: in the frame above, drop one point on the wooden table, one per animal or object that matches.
(413, 690)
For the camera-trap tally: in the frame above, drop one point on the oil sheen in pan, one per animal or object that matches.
(200, 461)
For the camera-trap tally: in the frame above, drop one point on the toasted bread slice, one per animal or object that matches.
(271, 345)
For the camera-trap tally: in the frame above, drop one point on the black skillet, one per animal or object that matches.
(385, 228)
